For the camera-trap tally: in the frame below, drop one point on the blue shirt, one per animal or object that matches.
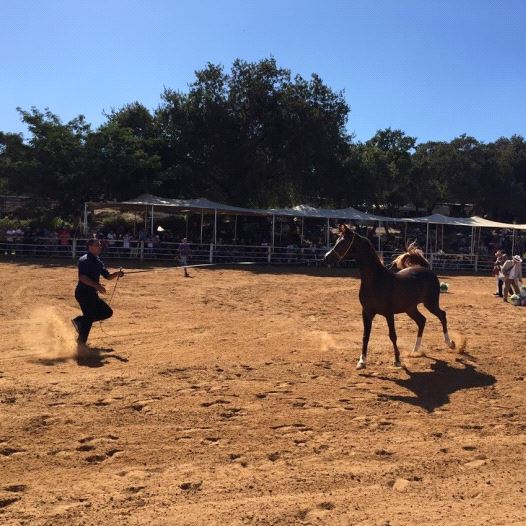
(92, 267)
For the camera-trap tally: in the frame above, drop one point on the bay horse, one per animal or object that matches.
(388, 293)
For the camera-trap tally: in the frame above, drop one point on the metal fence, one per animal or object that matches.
(210, 253)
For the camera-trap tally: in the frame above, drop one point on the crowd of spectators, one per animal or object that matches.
(293, 242)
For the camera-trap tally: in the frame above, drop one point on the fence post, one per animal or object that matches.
(211, 256)
(269, 254)
(73, 248)
(142, 250)
(477, 263)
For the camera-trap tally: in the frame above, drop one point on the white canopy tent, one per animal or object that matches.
(148, 204)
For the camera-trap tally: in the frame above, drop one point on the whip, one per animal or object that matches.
(192, 266)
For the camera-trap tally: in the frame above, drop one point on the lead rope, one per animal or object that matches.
(110, 300)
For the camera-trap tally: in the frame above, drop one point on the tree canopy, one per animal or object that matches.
(255, 136)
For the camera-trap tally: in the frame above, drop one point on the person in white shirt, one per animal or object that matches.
(516, 273)
(509, 273)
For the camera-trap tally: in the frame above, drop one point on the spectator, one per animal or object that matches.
(509, 283)
(497, 267)
(126, 244)
(184, 253)
(64, 238)
(516, 273)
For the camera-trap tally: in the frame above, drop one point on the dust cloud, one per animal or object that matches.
(48, 337)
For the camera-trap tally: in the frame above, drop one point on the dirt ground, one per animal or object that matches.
(232, 398)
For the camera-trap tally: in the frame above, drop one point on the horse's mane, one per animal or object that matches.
(412, 257)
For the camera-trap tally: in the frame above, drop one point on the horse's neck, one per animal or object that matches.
(370, 266)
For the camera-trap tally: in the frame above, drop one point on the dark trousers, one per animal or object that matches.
(93, 309)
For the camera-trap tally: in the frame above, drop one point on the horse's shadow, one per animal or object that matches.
(432, 389)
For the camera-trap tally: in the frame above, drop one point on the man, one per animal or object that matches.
(516, 274)
(500, 258)
(184, 253)
(509, 280)
(93, 308)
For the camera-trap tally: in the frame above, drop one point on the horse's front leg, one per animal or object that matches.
(392, 336)
(367, 325)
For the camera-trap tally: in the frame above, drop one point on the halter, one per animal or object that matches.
(340, 258)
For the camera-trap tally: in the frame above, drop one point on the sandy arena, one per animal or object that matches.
(232, 398)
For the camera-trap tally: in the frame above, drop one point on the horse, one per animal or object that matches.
(387, 293)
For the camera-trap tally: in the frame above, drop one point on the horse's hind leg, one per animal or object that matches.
(392, 336)
(420, 320)
(367, 325)
(434, 308)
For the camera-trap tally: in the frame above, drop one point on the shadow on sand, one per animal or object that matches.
(90, 357)
(432, 389)
(97, 357)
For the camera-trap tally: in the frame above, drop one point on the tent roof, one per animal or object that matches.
(474, 221)
(350, 214)
(179, 205)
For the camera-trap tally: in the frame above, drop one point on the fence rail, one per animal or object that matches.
(210, 253)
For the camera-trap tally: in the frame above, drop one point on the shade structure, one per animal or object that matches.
(473, 222)
(182, 206)
(202, 205)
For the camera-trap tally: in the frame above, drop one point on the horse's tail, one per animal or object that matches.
(413, 257)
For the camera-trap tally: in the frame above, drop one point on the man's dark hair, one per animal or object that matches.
(92, 242)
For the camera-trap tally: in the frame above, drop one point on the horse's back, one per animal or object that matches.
(414, 285)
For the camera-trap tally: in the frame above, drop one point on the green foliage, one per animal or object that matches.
(253, 136)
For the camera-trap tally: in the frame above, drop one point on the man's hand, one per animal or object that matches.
(101, 289)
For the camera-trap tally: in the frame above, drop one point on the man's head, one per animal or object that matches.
(184, 239)
(94, 247)
(498, 254)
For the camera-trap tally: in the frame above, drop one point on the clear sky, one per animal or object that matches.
(434, 68)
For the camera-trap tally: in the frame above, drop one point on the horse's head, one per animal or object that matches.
(345, 247)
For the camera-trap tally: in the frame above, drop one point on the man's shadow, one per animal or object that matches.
(97, 357)
(432, 389)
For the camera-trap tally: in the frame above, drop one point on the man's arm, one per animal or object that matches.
(91, 283)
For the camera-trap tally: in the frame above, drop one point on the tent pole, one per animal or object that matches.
(235, 229)
(405, 235)
(85, 225)
(186, 221)
(152, 222)
(379, 237)
(427, 239)
(273, 230)
(327, 238)
(215, 226)
(301, 239)
(513, 242)
(201, 237)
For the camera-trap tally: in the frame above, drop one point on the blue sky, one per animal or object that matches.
(433, 68)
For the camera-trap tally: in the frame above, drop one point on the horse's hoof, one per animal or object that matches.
(452, 345)
(360, 365)
(397, 364)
